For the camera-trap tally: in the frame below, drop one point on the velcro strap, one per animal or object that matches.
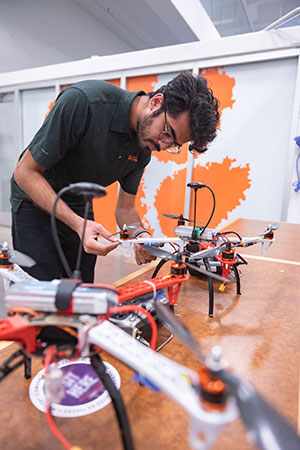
(64, 294)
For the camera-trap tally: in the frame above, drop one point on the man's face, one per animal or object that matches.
(154, 125)
(145, 133)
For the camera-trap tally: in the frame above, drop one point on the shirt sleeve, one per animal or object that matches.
(131, 182)
(62, 129)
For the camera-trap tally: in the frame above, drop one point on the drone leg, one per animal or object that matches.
(237, 279)
(158, 267)
(27, 366)
(210, 290)
(116, 398)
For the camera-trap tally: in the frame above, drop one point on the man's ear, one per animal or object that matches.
(156, 101)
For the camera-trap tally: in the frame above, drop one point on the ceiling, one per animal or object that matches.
(42, 32)
(151, 23)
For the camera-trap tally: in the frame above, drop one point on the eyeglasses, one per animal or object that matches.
(167, 137)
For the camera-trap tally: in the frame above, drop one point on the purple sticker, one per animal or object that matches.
(83, 391)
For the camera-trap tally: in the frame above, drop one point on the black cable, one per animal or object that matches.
(55, 234)
(116, 398)
(213, 210)
(158, 267)
(88, 197)
(77, 272)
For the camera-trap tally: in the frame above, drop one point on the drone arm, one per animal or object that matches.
(174, 379)
(135, 290)
(15, 329)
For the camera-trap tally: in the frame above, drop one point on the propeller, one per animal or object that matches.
(267, 428)
(207, 253)
(173, 216)
(16, 257)
(178, 328)
(270, 228)
(159, 253)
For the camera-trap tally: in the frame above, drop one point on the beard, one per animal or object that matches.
(143, 127)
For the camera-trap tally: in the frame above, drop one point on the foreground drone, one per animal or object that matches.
(212, 397)
(65, 319)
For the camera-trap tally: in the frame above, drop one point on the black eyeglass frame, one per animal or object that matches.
(167, 137)
(170, 140)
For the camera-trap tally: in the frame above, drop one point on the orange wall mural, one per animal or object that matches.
(228, 182)
(104, 208)
(170, 200)
(221, 85)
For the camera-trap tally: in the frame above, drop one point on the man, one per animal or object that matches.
(99, 133)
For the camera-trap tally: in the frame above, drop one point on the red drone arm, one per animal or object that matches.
(15, 329)
(167, 281)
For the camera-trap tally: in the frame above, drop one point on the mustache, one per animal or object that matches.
(157, 147)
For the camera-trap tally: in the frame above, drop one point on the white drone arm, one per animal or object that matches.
(265, 243)
(127, 243)
(14, 274)
(152, 240)
(174, 379)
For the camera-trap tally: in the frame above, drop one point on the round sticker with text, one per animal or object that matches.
(83, 392)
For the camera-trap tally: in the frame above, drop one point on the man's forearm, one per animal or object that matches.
(41, 193)
(129, 217)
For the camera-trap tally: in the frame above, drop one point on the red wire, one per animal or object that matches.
(117, 309)
(48, 358)
(55, 430)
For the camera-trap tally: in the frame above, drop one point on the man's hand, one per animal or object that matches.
(91, 245)
(141, 255)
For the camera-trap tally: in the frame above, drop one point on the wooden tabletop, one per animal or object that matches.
(258, 332)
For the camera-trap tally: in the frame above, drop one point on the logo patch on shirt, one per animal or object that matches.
(132, 158)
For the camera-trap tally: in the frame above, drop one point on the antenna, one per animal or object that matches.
(195, 185)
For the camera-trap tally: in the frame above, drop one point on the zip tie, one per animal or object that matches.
(154, 288)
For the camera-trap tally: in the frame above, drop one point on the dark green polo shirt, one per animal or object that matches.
(87, 137)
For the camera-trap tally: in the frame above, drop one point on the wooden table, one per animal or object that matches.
(258, 332)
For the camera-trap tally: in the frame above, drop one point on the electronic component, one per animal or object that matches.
(41, 296)
(185, 231)
(136, 324)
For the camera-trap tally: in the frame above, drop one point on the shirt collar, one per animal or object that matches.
(121, 119)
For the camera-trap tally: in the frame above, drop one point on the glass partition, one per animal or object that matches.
(8, 155)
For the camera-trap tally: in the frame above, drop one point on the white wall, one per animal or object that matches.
(36, 33)
(234, 52)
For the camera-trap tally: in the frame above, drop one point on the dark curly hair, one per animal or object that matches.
(187, 92)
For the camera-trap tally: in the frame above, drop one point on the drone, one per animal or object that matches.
(209, 249)
(10, 262)
(212, 397)
(66, 319)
